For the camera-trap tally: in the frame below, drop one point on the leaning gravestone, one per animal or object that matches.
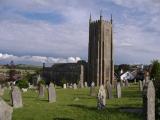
(149, 101)
(109, 90)
(41, 91)
(5, 110)
(92, 89)
(51, 93)
(140, 85)
(74, 86)
(118, 90)
(16, 97)
(101, 98)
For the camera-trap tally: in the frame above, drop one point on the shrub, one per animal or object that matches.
(41, 82)
(22, 84)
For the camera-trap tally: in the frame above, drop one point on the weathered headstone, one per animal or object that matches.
(118, 90)
(5, 110)
(135, 81)
(1, 90)
(109, 90)
(126, 83)
(92, 89)
(101, 98)
(122, 83)
(16, 97)
(114, 84)
(140, 85)
(24, 89)
(41, 91)
(67, 85)
(143, 82)
(74, 86)
(51, 93)
(64, 86)
(85, 84)
(81, 85)
(149, 101)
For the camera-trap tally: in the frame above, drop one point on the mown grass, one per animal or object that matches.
(77, 105)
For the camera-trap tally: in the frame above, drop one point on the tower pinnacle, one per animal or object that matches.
(111, 19)
(90, 18)
(101, 15)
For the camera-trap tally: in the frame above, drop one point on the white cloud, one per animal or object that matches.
(136, 35)
(38, 60)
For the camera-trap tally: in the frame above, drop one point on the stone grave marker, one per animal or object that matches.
(51, 93)
(109, 90)
(149, 101)
(118, 90)
(41, 91)
(92, 89)
(101, 98)
(16, 97)
(140, 85)
(5, 110)
(126, 83)
(1, 90)
(64, 86)
(74, 86)
(85, 84)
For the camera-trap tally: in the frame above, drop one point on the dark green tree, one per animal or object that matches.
(155, 70)
(155, 75)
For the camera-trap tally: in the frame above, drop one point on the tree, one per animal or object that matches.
(155, 74)
(155, 70)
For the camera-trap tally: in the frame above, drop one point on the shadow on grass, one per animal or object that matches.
(112, 110)
(83, 107)
(63, 119)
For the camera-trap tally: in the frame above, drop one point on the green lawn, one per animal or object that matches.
(77, 105)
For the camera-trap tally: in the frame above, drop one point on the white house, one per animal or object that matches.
(127, 76)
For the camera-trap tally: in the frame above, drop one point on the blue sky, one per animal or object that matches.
(36, 31)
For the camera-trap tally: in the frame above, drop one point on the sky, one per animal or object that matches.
(54, 31)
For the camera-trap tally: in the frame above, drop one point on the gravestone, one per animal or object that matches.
(140, 85)
(135, 81)
(1, 90)
(16, 97)
(64, 86)
(126, 83)
(114, 84)
(101, 98)
(85, 84)
(5, 110)
(24, 89)
(109, 90)
(41, 91)
(67, 85)
(81, 85)
(143, 82)
(118, 90)
(74, 86)
(149, 101)
(51, 93)
(92, 89)
(122, 83)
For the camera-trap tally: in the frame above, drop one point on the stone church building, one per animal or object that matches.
(99, 67)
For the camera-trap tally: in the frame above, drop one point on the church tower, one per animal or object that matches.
(100, 51)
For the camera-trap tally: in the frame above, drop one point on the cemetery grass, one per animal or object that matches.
(78, 105)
